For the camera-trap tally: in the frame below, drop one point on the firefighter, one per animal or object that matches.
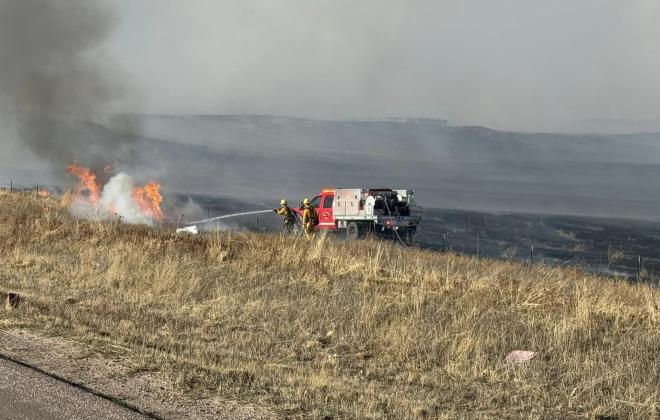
(310, 219)
(287, 214)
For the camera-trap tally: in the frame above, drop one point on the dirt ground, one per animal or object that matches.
(115, 376)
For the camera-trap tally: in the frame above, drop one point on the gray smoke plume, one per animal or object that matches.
(53, 83)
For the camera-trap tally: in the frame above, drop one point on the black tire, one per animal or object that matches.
(352, 231)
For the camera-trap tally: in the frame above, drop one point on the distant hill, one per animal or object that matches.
(248, 156)
(455, 167)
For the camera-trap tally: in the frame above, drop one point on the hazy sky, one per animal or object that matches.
(525, 64)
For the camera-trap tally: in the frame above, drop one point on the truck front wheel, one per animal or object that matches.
(352, 231)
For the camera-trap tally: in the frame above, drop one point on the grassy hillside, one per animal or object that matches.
(328, 328)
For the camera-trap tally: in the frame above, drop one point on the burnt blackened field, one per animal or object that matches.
(617, 247)
(628, 248)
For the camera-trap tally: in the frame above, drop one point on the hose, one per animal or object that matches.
(396, 232)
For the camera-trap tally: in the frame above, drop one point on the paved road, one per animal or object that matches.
(28, 394)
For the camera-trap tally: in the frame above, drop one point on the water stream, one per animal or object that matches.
(227, 216)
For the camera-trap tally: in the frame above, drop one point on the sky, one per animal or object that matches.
(523, 65)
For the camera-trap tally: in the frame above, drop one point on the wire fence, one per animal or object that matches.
(601, 258)
(36, 187)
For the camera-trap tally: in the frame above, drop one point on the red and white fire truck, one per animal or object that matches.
(358, 211)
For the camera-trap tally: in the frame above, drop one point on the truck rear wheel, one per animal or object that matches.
(352, 231)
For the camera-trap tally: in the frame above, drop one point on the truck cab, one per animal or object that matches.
(323, 204)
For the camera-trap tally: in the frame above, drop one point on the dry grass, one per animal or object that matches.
(328, 328)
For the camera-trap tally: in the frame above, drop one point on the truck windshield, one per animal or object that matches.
(316, 202)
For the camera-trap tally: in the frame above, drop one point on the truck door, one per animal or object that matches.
(326, 219)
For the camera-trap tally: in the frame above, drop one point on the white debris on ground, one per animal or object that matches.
(190, 229)
(520, 356)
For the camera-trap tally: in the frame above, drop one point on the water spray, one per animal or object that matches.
(227, 216)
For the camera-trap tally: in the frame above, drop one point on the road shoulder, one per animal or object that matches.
(115, 377)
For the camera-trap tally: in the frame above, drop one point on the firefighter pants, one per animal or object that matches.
(288, 226)
(309, 229)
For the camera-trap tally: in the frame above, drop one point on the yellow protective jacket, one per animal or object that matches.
(309, 213)
(287, 213)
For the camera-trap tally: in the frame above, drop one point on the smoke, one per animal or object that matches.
(117, 195)
(513, 65)
(190, 210)
(55, 81)
(117, 201)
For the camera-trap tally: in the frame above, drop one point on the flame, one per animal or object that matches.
(87, 180)
(149, 199)
(43, 193)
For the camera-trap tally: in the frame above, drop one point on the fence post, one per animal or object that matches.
(639, 267)
(11, 185)
(531, 254)
(37, 192)
(444, 237)
(257, 223)
(477, 243)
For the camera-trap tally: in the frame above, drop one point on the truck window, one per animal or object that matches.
(329, 199)
(316, 202)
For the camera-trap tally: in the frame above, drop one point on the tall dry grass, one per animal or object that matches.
(328, 328)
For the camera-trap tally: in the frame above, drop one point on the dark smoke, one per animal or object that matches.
(53, 85)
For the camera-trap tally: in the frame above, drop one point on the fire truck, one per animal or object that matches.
(355, 212)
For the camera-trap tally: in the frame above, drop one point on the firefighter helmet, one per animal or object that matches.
(306, 201)
(282, 202)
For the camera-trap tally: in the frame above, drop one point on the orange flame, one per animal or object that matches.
(44, 193)
(149, 199)
(87, 180)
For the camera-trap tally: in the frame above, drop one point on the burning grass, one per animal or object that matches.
(119, 197)
(337, 329)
